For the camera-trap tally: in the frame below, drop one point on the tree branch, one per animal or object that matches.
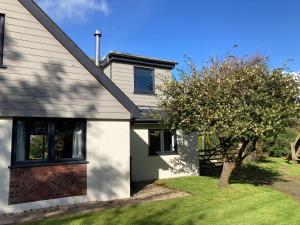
(252, 149)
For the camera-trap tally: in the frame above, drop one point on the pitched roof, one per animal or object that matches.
(85, 61)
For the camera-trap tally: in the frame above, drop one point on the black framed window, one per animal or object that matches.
(2, 23)
(162, 141)
(48, 140)
(143, 80)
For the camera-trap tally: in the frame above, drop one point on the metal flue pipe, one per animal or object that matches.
(98, 35)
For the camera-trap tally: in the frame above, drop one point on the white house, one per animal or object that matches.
(73, 132)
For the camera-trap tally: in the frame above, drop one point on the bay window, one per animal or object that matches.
(48, 140)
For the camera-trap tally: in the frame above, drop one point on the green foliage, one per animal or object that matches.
(241, 100)
(211, 142)
(278, 165)
(279, 145)
(38, 147)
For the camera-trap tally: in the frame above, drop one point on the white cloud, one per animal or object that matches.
(74, 9)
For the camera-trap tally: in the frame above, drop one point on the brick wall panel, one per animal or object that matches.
(47, 182)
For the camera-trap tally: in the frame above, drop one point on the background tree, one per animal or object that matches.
(241, 100)
(295, 143)
(279, 145)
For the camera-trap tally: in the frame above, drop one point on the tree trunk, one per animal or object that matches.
(228, 167)
(293, 152)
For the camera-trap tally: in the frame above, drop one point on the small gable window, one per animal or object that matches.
(2, 22)
(143, 80)
(162, 141)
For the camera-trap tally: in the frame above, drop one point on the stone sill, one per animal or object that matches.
(44, 164)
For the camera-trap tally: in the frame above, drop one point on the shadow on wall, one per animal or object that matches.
(107, 182)
(187, 161)
(144, 167)
(148, 167)
(109, 172)
(10, 49)
(43, 85)
(48, 88)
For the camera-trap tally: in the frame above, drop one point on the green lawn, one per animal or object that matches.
(280, 165)
(242, 203)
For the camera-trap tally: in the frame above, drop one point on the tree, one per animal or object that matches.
(240, 99)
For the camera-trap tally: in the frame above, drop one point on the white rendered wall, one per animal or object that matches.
(108, 147)
(108, 172)
(5, 155)
(145, 167)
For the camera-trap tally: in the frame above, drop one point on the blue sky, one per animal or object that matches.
(169, 29)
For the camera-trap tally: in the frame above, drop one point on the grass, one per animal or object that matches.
(265, 171)
(280, 165)
(242, 203)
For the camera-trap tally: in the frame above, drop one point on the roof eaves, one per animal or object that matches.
(138, 60)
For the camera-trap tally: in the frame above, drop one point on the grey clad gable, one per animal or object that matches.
(36, 84)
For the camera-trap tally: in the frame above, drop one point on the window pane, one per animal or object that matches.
(68, 139)
(143, 80)
(20, 142)
(38, 140)
(154, 140)
(2, 18)
(168, 141)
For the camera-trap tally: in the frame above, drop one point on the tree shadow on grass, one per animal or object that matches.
(250, 174)
(132, 215)
(253, 174)
(265, 160)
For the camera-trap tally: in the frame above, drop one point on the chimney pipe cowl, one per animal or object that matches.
(98, 33)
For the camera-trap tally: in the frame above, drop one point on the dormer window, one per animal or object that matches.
(143, 80)
(2, 20)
